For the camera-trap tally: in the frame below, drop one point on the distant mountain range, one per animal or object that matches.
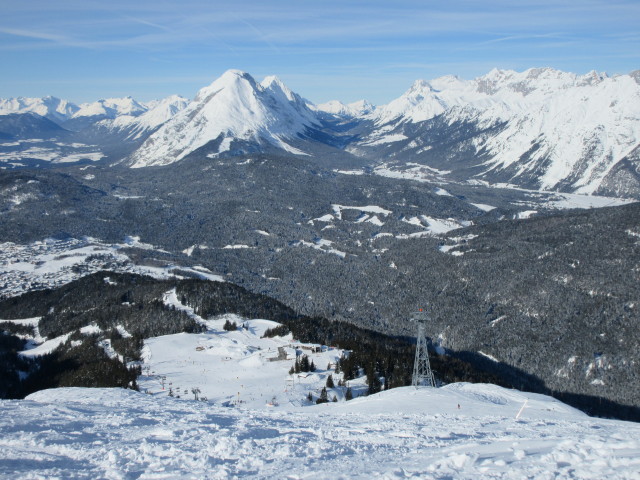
(541, 129)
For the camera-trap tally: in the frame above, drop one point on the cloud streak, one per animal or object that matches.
(202, 38)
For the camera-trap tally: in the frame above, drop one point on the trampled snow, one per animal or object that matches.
(401, 433)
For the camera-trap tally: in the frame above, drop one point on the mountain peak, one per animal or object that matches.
(419, 86)
(354, 109)
(233, 108)
(231, 79)
(278, 87)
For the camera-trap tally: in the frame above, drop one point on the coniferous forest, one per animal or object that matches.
(107, 299)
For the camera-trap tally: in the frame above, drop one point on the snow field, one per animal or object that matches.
(234, 367)
(402, 433)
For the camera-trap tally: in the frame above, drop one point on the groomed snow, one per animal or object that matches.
(402, 433)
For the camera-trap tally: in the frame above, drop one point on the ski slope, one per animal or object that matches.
(235, 368)
(253, 420)
(402, 433)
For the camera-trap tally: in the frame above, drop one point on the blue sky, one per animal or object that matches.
(324, 49)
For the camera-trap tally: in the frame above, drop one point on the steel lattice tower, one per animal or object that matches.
(422, 374)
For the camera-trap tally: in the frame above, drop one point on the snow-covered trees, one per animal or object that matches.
(230, 326)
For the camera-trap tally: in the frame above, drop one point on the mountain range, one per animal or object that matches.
(541, 129)
(360, 214)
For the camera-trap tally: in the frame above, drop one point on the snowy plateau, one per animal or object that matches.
(252, 420)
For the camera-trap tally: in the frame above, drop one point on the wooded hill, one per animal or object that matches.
(135, 302)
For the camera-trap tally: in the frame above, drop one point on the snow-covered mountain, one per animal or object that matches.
(90, 113)
(110, 108)
(61, 111)
(542, 127)
(233, 108)
(52, 108)
(349, 110)
(228, 403)
(134, 126)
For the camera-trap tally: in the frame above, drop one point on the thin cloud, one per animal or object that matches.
(33, 34)
(338, 43)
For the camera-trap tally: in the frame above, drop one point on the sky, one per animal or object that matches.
(347, 50)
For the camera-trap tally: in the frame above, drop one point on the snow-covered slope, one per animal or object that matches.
(402, 433)
(253, 419)
(52, 108)
(135, 126)
(552, 129)
(234, 107)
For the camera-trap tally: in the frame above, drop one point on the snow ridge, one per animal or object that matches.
(53, 108)
(138, 125)
(350, 110)
(233, 107)
(560, 127)
(110, 108)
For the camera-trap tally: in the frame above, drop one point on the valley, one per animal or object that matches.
(528, 260)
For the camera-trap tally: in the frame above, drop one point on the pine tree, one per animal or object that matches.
(330, 383)
(349, 395)
(310, 397)
(374, 384)
(324, 398)
(230, 326)
(304, 363)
